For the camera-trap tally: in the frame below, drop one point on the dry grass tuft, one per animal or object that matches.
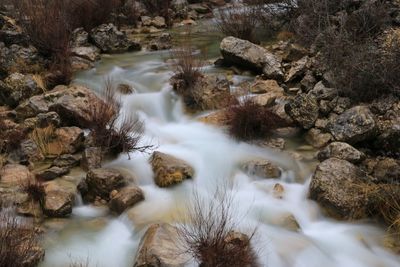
(209, 235)
(45, 140)
(19, 241)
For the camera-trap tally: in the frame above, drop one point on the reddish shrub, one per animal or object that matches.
(249, 120)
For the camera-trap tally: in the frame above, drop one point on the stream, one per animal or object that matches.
(104, 240)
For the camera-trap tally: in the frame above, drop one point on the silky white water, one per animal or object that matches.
(104, 240)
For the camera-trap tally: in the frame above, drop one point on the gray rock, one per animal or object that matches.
(52, 173)
(354, 125)
(248, 55)
(303, 109)
(339, 187)
(109, 39)
(297, 69)
(18, 87)
(342, 151)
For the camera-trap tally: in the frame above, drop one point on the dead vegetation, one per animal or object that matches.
(209, 235)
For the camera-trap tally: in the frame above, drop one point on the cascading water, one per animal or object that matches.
(108, 241)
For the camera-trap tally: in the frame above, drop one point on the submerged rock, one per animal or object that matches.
(57, 201)
(52, 173)
(339, 186)
(169, 170)
(262, 168)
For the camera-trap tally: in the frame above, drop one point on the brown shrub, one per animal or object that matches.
(34, 189)
(209, 235)
(112, 131)
(248, 120)
(19, 241)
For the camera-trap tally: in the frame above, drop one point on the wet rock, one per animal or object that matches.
(90, 53)
(125, 198)
(158, 248)
(125, 89)
(288, 222)
(297, 70)
(339, 186)
(317, 138)
(262, 168)
(217, 118)
(58, 201)
(162, 42)
(342, 151)
(355, 125)
(387, 170)
(48, 119)
(109, 39)
(272, 95)
(209, 92)
(248, 55)
(169, 170)
(15, 174)
(66, 161)
(52, 173)
(278, 191)
(91, 158)
(18, 87)
(303, 109)
(78, 63)
(100, 182)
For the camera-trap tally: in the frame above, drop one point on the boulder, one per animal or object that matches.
(339, 186)
(354, 125)
(57, 201)
(48, 119)
(125, 198)
(91, 158)
(250, 56)
(90, 53)
(100, 183)
(265, 86)
(303, 109)
(110, 40)
(317, 138)
(209, 92)
(387, 170)
(158, 22)
(158, 248)
(342, 151)
(51, 173)
(169, 170)
(262, 168)
(15, 174)
(161, 42)
(18, 87)
(79, 38)
(67, 140)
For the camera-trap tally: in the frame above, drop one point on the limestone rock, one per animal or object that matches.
(169, 170)
(125, 198)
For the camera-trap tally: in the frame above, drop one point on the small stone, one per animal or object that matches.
(125, 198)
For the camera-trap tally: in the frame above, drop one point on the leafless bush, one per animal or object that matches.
(111, 130)
(240, 22)
(209, 234)
(34, 189)
(249, 120)
(19, 241)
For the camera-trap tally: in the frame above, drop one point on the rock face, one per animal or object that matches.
(110, 40)
(100, 183)
(354, 125)
(125, 198)
(339, 187)
(342, 151)
(57, 201)
(158, 248)
(18, 87)
(304, 110)
(169, 170)
(248, 55)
